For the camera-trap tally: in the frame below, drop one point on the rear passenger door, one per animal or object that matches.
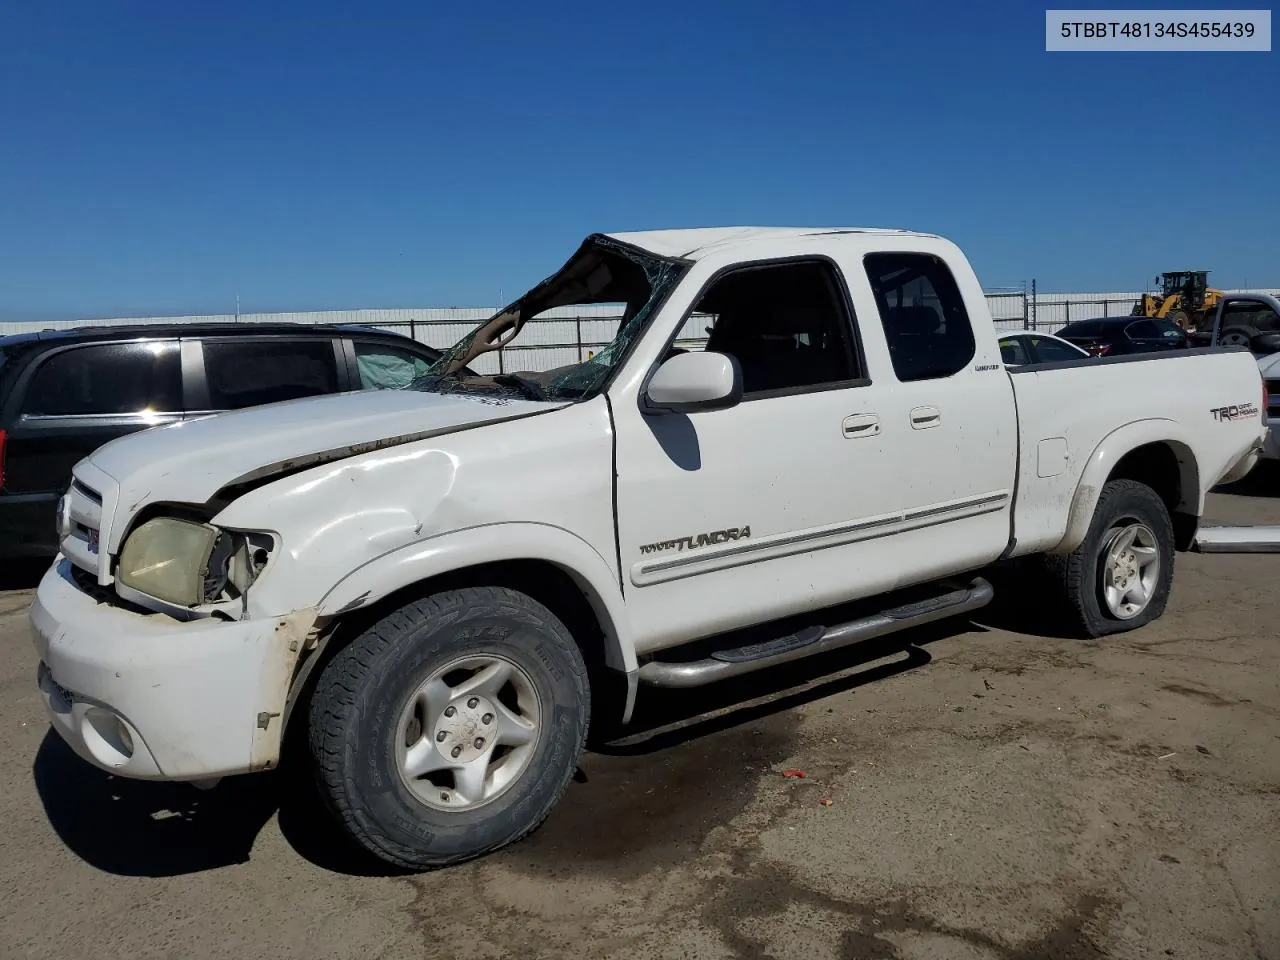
(74, 399)
(235, 372)
(946, 412)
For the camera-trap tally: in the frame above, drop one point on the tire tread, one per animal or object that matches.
(1073, 573)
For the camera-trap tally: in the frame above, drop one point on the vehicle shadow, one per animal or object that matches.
(1026, 601)
(141, 829)
(665, 719)
(1262, 481)
(137, 828)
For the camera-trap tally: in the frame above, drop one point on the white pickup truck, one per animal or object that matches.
(439, 587)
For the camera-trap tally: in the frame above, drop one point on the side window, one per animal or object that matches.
(384, 366)
(1013, 351)
(1250, 313)
(246, 373)
(1142, 330)
(1053, 351)
(107, 378)
(787, 324)
(1084, 328)
(924, 317)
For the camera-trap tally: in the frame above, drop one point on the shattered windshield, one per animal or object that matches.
(522, 349)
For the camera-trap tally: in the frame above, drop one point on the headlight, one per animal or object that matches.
(187, 563)
(168, 559)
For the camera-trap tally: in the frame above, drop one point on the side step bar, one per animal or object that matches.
(724, 664)
(1224, 539)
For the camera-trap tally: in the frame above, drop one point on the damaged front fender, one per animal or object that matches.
(294, 637)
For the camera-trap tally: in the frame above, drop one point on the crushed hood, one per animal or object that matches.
(191, 461)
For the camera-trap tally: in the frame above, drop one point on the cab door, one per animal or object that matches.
(777, 504)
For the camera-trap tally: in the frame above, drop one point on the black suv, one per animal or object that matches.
(64, 393)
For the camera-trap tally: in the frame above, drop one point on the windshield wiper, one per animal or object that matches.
(531, 389)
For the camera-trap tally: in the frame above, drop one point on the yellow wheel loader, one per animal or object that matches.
(1185, 298)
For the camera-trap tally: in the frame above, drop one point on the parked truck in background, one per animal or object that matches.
(441, 588)
(1252, 321)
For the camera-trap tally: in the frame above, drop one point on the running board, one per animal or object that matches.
(1237, 540)
(811, 641)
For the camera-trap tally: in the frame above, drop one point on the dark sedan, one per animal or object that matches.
(1113, 336)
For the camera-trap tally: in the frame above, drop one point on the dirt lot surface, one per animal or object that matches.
(995, 792)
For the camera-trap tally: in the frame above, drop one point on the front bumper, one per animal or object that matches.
(149, 697)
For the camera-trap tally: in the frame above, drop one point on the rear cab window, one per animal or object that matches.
(923, 313)
(106, 379)
(1250, 313)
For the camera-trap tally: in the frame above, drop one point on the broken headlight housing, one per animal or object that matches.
(188, 563)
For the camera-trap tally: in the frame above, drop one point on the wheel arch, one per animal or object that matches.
(551, 565)
(1153, 452)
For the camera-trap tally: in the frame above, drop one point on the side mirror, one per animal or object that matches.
(694, 382)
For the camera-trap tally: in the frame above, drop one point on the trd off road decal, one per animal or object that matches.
(1240, 411)
(698, 540)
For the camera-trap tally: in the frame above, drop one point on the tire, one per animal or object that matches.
(366, 710)
(1180, 317)
(1237, 336)
(1124, 505)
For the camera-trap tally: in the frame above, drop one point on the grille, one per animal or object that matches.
(90, 586)
(88, 583)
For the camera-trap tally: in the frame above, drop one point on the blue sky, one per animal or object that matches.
(164, 157)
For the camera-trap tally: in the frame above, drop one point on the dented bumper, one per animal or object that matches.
(154, 698)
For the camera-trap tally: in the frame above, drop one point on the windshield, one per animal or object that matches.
(522, 348)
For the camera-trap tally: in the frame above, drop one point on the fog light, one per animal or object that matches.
(108, 737)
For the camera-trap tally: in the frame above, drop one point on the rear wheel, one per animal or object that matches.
(1181, 318)
(451, 727)
(1119, 578)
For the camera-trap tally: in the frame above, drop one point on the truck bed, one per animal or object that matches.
(1076, 416)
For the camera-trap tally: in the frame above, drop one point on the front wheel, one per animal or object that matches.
(451, 727)
(1119, 578)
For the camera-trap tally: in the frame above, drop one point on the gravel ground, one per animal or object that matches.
(994, 792)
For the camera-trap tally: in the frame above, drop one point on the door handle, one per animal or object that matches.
(861, 425)
(922, 418)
